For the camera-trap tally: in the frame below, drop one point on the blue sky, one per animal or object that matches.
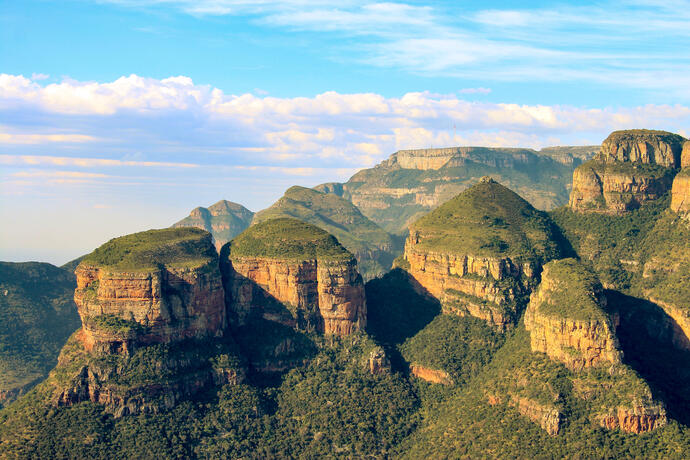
(117, 116)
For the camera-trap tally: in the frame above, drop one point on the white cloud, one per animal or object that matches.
(84, 162)
(13, 138)
(39, 76)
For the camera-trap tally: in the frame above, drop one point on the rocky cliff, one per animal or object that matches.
(680, 192)
(294, 273)
(481, 252)
(412, 182)
(373, 248)
(151, 287)
(224, 220)
(567, 317)
(633, 167)
(643, 146)
(153, 319)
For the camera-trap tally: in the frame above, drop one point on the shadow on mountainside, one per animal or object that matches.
(647, 335)
(397, 311)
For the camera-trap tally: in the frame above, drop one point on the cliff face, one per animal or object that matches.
(327, 297)
(643, 146)
(431, 375)
(224, 220)
(168, 305)
(478, 253)
(632, 168)
(617, 188)
(315, 287)
(578, 334)
(680, 192)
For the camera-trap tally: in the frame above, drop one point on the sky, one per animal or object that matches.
(118, 116)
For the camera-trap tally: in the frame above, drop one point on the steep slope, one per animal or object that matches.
(633, 168)
(294, 273)
(372, 247)
(37, 315)
(412, 182)
(481, 252)
(224, 220)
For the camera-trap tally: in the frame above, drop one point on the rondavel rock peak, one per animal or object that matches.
(224, 220)
(481, 252)
(288, 271)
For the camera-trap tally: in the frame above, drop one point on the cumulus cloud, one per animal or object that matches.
(176, 123)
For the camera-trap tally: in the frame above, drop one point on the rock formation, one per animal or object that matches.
(129, 294)
(567, 317)
(480, 252)
(295, 273)
(372, 247)
(568, 321)
(633, 167)
(680, 192)
(224, 220)
(643, 146)
(155, 290)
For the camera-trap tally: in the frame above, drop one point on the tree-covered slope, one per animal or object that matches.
(37, 315)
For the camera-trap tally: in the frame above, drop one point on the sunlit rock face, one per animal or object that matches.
(291, 272)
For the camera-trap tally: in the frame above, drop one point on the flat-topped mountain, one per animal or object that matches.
(224, 220)
(480, 252)
(634, 167)
(372, 246)
(294, 273)
(410, 183)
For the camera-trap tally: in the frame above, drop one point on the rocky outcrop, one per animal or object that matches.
(680, 192)
(616, 188)
(294, 273)
(637, 419)
(378, 362)
(643, 146)
(567, 320)
(431, 375)
(632, 168)
(680, 326)
(549, 418)
(320, 295)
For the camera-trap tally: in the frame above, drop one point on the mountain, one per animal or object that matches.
(223, 220)
(410, 183)
(481, 252)
(373, 247)
(37, 315)
(502, 331)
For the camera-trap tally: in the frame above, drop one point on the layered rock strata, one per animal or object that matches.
(567, 320)
(680, 192)
(312, 288)
(632, 168)
(476, 253)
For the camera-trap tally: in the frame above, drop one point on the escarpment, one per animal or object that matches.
(481, 252)
(294, 273)
(680, 192)
(632, 168)
(567, 317)
(153, 316)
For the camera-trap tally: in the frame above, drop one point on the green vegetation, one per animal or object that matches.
(224, 220)
(575, 292)
(37, 315)
(116, 325)
(173, 247)
(372, 246)
(287, 238)
(490, 220)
